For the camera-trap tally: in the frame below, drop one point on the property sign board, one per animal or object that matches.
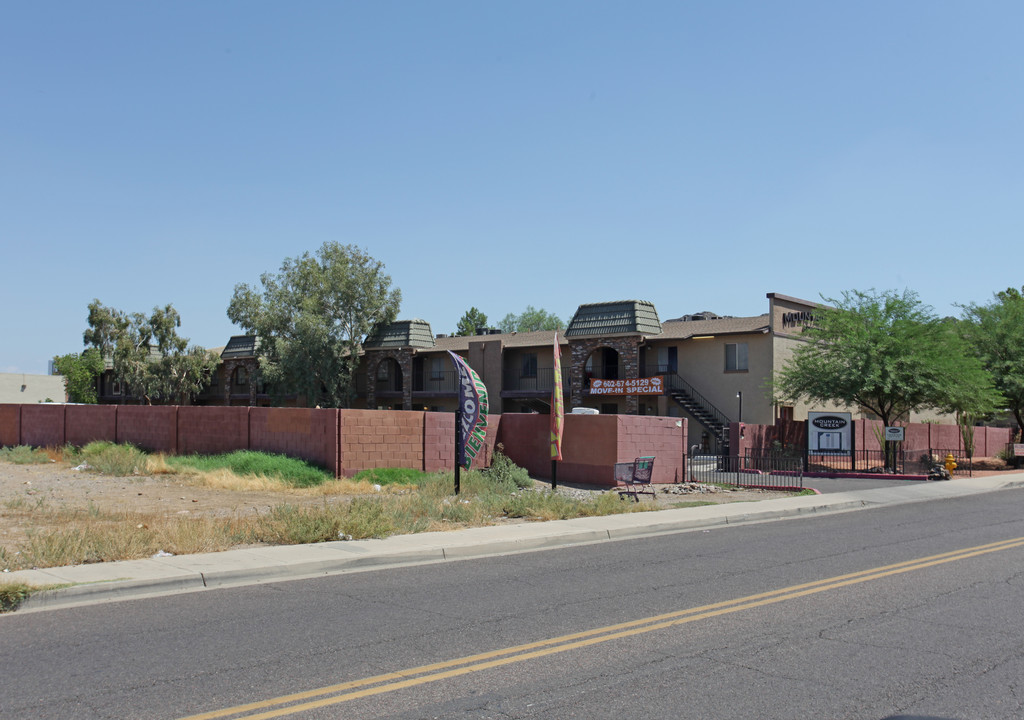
(895, 434)
(829, 433)
(633, 386)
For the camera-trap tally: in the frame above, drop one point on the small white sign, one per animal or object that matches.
(895, 434)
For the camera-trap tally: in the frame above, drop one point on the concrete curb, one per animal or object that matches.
(131, 579)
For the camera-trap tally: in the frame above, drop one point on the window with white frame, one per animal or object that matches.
(735, 357)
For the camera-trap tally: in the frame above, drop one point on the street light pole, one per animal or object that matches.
(739, 394)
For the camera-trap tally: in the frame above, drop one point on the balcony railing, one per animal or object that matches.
(436, 381)
(542, 381)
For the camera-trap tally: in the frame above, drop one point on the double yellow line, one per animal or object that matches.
(389, 682)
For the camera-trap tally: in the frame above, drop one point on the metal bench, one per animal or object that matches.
(638, 480)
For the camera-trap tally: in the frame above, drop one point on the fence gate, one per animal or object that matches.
(768, 471)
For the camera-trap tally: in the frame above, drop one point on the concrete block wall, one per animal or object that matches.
(347, 441)
(380, 438)
(153, 428)
(84, 424)
(10, 425)
(593, 444)
(212, 430)
(439, 441)
(308, 433)
(658, 436)
(42, 425)
(523, 440)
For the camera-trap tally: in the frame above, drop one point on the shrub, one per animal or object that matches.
(504, 472)
(24, 455)
(110, 459)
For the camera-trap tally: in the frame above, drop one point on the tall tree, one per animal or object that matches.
(887, 353)
(471, 320)
(995, 334)
(529, 320)
(147, 353)
(80, 371)
(312, 317)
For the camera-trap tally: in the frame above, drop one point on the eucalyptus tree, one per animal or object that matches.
(311, 318)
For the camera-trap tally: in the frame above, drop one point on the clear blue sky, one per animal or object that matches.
(499, 155)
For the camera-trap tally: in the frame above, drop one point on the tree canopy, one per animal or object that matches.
(995, 333)
(529, 320)
(471, 320)
(147, 353)
(312, 316)
(80, 371)
(889, 354)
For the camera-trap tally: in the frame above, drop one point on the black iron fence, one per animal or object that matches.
(898, 462)
(764, 471)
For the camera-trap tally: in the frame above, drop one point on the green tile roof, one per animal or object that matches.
(402, 334)
(622, 317)
(239, 346)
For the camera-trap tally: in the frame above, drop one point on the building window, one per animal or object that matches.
(382, 370)
(735, 357)
(785, 412)
(241, 376)
(437, 369)
(530, 365)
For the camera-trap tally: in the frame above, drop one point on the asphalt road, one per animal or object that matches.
(804, 618)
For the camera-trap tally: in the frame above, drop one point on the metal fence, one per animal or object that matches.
(765, 471)
(899, 462)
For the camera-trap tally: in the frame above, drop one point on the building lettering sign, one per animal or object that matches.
(633, 386)
(797, 319)
(829, 433)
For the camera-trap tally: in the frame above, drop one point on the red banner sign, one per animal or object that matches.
(633, 386)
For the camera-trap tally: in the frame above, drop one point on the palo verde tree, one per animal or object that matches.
(312, 317)
(889, 354)
(995, 334)
(529, 320)
(147, 354)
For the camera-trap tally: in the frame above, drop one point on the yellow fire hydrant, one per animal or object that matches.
(950, 463)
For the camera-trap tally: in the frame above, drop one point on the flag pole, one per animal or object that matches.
(458, 444)
(557, 412)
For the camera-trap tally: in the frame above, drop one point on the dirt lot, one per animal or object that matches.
(57, 486)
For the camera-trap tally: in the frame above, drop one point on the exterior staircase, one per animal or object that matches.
(700, 409)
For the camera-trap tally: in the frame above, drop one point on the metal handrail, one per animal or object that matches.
(674, 382)
(543, 381)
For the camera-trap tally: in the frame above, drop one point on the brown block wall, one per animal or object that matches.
(10, 425)
(212, 430)
(42, 425)
(311, 434)
(439, 441)
(523, 436)
(380, 438)
(658, 436)
(153, 428)
(84, 424)
(593, 444)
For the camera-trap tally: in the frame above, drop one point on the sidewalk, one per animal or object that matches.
(131, 579)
